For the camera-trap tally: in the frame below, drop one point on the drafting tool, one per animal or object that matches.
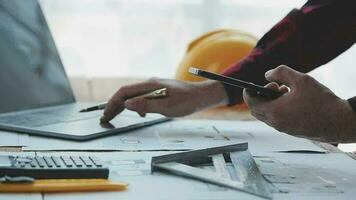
(235, 168)
(63, 185)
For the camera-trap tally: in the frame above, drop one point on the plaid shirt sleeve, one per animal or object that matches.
(305, 39)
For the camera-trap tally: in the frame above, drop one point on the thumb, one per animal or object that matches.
(283, 75)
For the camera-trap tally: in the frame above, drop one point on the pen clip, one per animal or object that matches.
(17, 179)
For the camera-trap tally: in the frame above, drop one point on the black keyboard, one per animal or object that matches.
(53, 167)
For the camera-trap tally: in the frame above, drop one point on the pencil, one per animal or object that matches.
(157, 94)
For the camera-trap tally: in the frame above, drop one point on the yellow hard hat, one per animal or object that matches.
(215, 51)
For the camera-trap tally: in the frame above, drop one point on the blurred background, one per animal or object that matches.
(108, 43)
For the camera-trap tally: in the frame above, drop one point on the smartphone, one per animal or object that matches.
(258, 89)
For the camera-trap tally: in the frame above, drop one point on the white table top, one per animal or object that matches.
(297, 168)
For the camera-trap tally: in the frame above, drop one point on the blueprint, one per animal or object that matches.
(135, 169)
(294, 176)
(184, 135)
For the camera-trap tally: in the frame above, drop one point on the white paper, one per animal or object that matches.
(164, 136)
(135, 169)
(25, 196)
(331, 173)
(187, 134)
(335, 169)
(10, 139)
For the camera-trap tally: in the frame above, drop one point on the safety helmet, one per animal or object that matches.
(215, 51)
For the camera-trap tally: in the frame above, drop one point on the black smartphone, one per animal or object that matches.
(258, 89)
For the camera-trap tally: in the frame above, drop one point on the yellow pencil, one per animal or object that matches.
(64, 185)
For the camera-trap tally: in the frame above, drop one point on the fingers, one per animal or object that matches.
(138, 104)
(284, 89)
(116, 104)
(276, 87)
(251, 99)
(272, 86)
(112, 109)
(142, 105)
(283, 75)
(258, 106)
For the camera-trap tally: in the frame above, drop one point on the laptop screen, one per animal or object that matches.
(31, 72)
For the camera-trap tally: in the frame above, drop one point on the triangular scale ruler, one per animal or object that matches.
(243, 175)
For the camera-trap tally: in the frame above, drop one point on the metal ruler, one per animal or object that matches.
(244, 176)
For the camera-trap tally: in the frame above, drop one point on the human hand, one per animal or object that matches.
(183, 98)
(306, 109)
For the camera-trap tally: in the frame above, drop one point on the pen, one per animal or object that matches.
(63, 185)
(157, 94)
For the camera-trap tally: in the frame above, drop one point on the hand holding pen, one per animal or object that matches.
(160, 93)
(174, 98)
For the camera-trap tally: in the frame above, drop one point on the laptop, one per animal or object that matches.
(35, 94)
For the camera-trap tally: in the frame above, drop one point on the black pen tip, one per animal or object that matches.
(84, 110)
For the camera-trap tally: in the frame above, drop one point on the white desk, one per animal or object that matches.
(297, 168)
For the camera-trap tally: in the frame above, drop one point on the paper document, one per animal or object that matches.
(135, 169)
(29, 196)
(296, 176)
(9, 139)
(187, 134)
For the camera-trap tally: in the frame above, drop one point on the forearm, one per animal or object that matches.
(348, 129)
(210, 94)
(345, 124)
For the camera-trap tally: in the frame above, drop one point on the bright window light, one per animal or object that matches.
(145, 38)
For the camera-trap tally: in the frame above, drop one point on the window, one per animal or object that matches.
(144, 38)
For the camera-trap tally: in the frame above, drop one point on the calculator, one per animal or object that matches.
(53, 167)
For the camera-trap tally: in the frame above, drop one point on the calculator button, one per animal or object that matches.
(77, 161)
(23, 160)
(67, 161)
(86, 161)
(33, 163)
(96, 161)
(40, 161)
(48, 161)
(22, 164)
(56, 161)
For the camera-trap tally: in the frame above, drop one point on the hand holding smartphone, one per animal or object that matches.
(258, 89)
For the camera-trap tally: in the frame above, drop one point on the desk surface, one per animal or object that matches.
(295, 167)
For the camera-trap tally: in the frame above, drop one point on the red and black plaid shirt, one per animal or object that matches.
(304, 40)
